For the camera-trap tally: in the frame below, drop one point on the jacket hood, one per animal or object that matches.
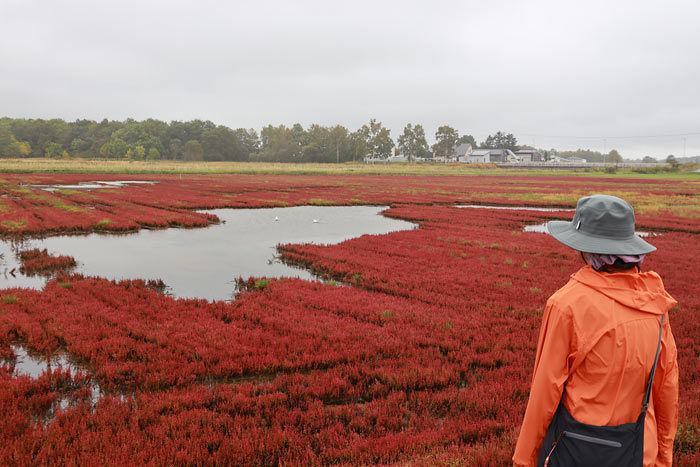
(643, 291)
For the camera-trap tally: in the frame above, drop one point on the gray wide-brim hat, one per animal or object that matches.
(602, 224)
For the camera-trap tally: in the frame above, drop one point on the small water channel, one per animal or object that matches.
(96, 185)
(33, 365)
(205, 263)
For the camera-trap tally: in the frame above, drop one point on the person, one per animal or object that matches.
(599, 337)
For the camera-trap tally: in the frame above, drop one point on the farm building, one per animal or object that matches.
(530, 155)
(459, 152)
(462, 152)
(486, 156)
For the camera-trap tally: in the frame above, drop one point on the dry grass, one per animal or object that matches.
(174, 167)
(107, 166)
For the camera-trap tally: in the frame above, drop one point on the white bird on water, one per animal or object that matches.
(277, 218)
(316, 221)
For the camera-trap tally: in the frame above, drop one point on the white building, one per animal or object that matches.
(458, 154)
(488, 156)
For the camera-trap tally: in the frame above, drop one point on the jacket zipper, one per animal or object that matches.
(591, 439)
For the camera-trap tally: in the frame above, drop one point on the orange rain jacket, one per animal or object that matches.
(597, 345)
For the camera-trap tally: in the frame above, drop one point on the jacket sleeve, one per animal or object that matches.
(665, 396)
(555, 353)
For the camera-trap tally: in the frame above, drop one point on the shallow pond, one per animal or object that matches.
(206, 262)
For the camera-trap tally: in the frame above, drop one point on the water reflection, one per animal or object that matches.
(34, 365)
(30, 364)
(90, 185)
(206, 262)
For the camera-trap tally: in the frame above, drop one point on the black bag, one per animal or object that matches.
(569, 442)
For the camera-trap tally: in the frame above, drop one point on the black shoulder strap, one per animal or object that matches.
(645, 402)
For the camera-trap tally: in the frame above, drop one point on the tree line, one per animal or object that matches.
(199, 140)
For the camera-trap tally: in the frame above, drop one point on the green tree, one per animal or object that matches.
(6, 136)
(193, 151)
(107, 150)
(221, 144)
(119, 146)
(300, 136)
(18, 148)
(405, 141)
(79, 145)
(53, 149)
(339, 139)
(501, 140)
(378, 140)
(672, 161)
(614, 156)
(278, 144)
(175, 149)
(360, 143)
(469, 139)
(248, 141)
(412, 142)
(445, 141)
(649, 160)
(135, 153)
(153, 154)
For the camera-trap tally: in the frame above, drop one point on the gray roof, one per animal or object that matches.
(481, 152)
(462, 149)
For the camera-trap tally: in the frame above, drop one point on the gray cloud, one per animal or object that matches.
(555, 73)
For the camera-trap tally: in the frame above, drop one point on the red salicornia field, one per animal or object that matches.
(417, 349)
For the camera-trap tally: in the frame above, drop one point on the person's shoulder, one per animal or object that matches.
(572, 291)
(574, 297)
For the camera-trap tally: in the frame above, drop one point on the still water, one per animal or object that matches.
(205, 263)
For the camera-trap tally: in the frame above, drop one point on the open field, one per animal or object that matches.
(110, 166)
(417, 350)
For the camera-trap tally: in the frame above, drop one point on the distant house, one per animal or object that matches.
(530, 155)
(479, 156)
(487, 156)
(462, 152)
(459, 152)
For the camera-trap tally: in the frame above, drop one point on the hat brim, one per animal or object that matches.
(565, 232)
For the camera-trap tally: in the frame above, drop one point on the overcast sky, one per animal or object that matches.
(564, 74)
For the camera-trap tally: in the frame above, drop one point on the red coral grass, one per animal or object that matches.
(423, 356)
(40, 262)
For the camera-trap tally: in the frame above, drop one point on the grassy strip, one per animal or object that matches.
(98, 166)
